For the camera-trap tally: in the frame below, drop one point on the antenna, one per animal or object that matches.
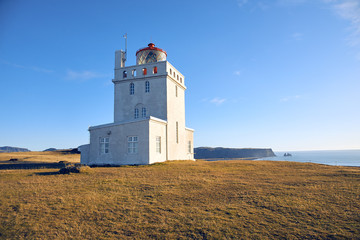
(125, 55)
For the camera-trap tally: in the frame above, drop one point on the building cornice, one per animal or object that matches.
(137, 78)
(150, 118)
(189, 129)
(155, 119)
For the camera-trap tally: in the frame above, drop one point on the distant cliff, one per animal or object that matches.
(50, 150)
(219, 152)
(13, 149)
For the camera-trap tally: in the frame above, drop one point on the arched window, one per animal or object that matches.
(144, 70)
(136, 113)
(134, 73)
(147, 86)
(170, 71)
(132, 88)
(143, 112)
(154, 70)
(177, 77)
(124, 74)
(180, 79)
(174, 74)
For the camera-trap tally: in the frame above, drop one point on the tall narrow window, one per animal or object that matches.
(134, 73)
(132, 88)
(177, 132)
(181, 79)
(124, 74)
(177, 76)
(189, 147)
(176, 90)
(104, 145)
(132, 144)
(154, 70)
(158, 144)
(136, 113)
(147, 86)
(170, 71)
(144, 70)
(143, 112)
(174, 74)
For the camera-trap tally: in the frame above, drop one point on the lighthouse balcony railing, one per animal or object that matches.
(140, 71)
(148, 70)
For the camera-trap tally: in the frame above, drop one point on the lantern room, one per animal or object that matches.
(150, 54)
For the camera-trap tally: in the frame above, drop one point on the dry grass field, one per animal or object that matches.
(45, 157)
(183, 200)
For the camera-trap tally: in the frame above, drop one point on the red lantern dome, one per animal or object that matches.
(150, 54)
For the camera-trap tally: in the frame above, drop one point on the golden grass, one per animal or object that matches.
(47, 157)
(182, 200)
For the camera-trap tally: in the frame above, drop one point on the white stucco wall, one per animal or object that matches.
(163, 109)
(154, 101)
(189, 137)
(157, 129)
(84, 157)
(176, 113)
(118, 143)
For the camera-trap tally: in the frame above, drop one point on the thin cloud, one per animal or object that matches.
(218, 101)
(258, 5)
(350, 11)
(32, 68)
(297, 36)
(290, 98)
(237, 73)
(241, 3)
(84, 75)
(290, 2)
(262, 6)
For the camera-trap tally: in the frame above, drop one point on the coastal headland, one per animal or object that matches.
(232, 153)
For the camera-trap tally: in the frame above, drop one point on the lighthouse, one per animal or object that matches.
(149, 114)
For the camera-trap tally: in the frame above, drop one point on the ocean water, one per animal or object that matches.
(332, 157)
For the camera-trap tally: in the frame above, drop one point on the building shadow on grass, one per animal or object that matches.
(30, 165)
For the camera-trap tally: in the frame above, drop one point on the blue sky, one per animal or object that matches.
(283, 74)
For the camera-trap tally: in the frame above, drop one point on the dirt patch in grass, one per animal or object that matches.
(182, 200)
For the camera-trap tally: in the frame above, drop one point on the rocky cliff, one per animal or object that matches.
(219, 152)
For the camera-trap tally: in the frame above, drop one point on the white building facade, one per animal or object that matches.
(149, 115)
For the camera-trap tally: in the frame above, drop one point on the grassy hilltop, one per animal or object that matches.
(202, 200)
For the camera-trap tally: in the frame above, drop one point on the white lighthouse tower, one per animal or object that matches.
(149, 115)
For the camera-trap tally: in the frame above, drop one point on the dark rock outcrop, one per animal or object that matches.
(219, 152)
(13, 149)
(69, 151)
(63, 151)
(50, 150)
(76, 168)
